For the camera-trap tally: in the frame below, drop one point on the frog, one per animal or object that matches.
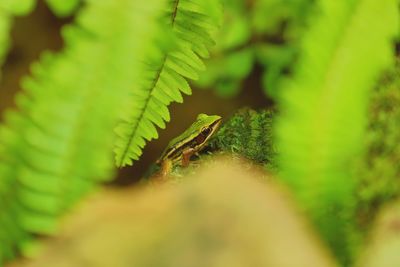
(190, 142)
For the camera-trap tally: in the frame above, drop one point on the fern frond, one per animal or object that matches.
(192, 23)
(323, 109)
(17, 7)
(63, 8)
(59, 144)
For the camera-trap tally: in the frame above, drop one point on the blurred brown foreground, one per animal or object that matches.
(383, 249)
(225, 215)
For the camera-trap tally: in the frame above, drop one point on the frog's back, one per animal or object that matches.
(176, 143)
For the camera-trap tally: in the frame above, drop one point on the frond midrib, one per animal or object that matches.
(141, 115)
(124, 154)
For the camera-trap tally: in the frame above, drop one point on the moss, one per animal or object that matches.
(249, 134)
(379, 170)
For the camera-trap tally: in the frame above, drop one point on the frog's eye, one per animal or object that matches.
(205, 131)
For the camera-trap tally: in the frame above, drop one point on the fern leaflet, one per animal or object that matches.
(63, 8)
(17, 7)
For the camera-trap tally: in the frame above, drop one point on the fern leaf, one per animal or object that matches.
(63, 8)
(58, 146)
(192, 24)
(18, 7)
(319, 132)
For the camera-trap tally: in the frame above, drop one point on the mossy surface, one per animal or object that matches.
(379, 170)
(248, 133)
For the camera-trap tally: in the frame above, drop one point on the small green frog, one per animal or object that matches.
(181, 148)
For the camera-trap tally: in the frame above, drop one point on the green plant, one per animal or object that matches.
(63, 8)
(323, 111)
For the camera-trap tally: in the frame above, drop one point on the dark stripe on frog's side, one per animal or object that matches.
(175, 152)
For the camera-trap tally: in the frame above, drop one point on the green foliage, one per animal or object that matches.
(58, 144)
(63, 8)
(263, 32)
(379, 170)
(322, 110)
(17, 7)
(164, 79)
(248, 133)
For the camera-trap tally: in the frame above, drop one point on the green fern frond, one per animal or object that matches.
(323, 109)
(59, 144)
(192, 23)
(17, 7)
(63, 8)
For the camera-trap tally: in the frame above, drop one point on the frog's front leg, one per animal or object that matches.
(166, 167)
(186, 154)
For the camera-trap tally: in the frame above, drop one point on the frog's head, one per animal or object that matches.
(200, 131)
(207, 124)
(195, 137)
